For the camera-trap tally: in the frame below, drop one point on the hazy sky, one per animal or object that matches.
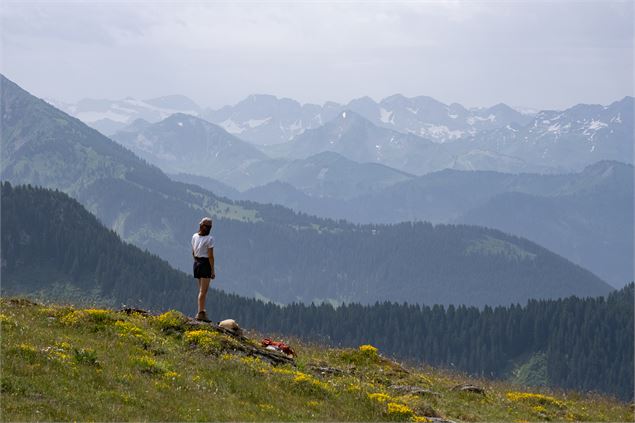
(541, 54)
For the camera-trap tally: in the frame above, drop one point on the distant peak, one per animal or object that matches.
(395, 98)
(175, 102)
(365, 99)
(257, 97)
(350, 116)
(502, 106)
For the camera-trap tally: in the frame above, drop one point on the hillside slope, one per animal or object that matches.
(63, 363)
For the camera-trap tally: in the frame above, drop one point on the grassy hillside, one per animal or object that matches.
(63, 363)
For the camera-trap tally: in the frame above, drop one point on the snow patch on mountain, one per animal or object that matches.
(386, 116)
(439, 133)
(254, 123)
(596, 125)
(231, 126)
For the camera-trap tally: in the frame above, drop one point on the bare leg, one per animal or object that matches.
(203, 286)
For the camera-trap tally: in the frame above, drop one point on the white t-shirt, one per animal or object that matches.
(200, 244)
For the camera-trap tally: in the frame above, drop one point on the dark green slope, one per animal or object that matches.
(49, 239)
(270, 251)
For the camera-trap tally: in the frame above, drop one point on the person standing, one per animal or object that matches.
(203, 253)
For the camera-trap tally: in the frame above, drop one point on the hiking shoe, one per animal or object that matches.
(201, 316)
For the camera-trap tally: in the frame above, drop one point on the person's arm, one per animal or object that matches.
(210, 255)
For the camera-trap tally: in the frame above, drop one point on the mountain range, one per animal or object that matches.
(267, 119)
(108, 116)
(566, 140)
(349, 168)
(269, 251)
(543, 137)
(552, 142)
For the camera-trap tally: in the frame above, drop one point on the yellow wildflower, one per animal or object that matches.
(148, 365)
(90, 315)
(171, 320)
(208, 341)
(399, 410)
(353, 388)
(379, 397)
(309, 383)
(368, 349)
(283, 371)
(5, 320)
(537, 399)
(27, 348)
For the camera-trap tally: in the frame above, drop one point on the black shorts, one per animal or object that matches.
(202, 268)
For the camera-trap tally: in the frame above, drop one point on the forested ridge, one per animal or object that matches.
(50, 240)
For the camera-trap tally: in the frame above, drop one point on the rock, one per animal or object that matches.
(440, 420)
(231, 325)
(245, 346)
(132, 310)
(22, 302)
(325, 370)
(469, 388)
(415, 390)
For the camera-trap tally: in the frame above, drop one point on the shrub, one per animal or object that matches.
(210, 342)
(379, 397)
(364, 355)
(27, 352)
(85, 356)
(368, 350)
(172, 320)
(535, 399)
(398, 411)
(127, 329)
(6, 321)
(310, 385)
(95, 316)
(149, 365)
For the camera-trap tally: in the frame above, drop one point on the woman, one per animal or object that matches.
(203, 253)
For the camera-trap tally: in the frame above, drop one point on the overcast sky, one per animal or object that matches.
(539, 54)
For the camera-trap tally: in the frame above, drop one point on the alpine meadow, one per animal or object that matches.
(317, 211)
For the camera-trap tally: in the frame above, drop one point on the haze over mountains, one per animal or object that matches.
(367, 162)
(267, 120)
(553, 142)
(269, 251)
